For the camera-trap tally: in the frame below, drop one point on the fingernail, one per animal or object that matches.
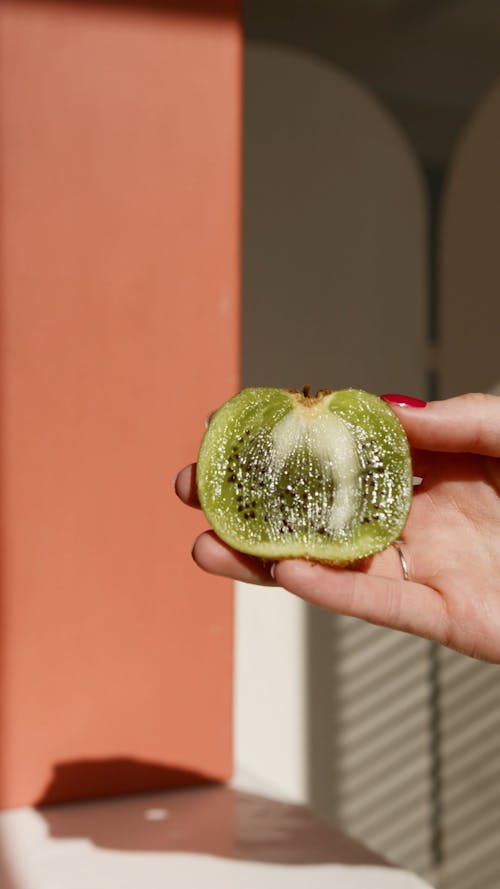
(272, 570)
(403, 400)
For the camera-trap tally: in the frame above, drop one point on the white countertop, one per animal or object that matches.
(220, 837)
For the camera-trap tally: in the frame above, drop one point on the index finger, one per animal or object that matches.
(465, 424)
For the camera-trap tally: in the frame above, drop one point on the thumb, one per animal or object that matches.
(465, 424)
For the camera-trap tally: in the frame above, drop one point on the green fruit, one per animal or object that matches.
(285, 474)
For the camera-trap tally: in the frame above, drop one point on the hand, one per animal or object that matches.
(451, 541)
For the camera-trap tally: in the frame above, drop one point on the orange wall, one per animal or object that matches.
(119, 272)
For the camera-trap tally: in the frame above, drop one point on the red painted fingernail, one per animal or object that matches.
(403, 400)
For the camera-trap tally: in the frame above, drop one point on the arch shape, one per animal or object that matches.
(335, 231)
(469, 276)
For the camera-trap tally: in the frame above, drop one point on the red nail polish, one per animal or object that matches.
(403, 400)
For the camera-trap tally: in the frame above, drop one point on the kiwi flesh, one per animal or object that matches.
(282, 473)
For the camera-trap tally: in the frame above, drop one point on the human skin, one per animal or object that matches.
(451, 541)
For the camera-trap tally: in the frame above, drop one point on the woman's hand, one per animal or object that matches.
(451, 541)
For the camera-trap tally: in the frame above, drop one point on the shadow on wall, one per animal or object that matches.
(96, 778)
(215, 820)
(112, 826)
(368, 721)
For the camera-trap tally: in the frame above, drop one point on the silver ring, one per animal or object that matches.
(402, 559)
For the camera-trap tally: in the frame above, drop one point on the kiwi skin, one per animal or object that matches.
(285, 474)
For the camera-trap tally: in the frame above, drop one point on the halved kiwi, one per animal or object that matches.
(282, 473)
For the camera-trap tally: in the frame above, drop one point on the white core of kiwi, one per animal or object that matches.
(327, 438)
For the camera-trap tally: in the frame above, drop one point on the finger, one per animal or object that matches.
(466, 424)
(216, 557)
(401, 605)
(185, 486)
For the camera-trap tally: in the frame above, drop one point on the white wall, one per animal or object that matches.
(334, 295)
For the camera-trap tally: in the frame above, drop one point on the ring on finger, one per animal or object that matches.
(402, 559)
